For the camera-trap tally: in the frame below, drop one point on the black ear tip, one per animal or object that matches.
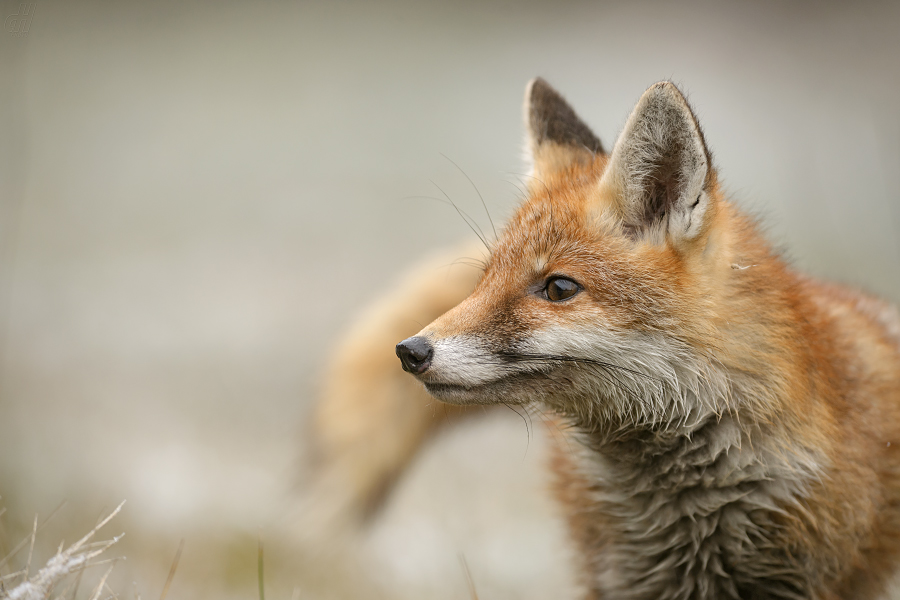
(538, 83)
(539, 89)
(550, 118)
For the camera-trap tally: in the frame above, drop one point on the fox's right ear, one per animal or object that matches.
(557, 138)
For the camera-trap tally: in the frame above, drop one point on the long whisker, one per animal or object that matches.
(469, 220)
(522, 193)
(516, 356)
(470, 262)
(474, 265)
(483, 203)
(527, 425)
(621, 377)
(538, 179)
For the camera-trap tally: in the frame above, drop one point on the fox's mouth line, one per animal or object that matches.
(540, 366)
(454, 387)
(456, 393)
(442, 390)
(459, 387)
(504, 377)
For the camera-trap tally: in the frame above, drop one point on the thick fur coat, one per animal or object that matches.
(736, 423)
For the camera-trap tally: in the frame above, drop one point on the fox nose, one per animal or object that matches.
(415, 354)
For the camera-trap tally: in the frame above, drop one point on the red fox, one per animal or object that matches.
(735, 424)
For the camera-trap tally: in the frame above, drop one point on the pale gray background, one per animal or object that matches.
(195, 198)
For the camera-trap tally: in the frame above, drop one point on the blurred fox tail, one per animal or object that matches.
(371, 418)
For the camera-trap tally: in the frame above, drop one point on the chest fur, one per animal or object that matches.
(699, 515)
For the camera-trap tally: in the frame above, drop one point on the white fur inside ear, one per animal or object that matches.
(659, 169)
(686, 218)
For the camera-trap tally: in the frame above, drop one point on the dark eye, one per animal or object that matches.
(560, 288)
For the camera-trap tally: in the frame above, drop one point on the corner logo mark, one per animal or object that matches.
(18, 23)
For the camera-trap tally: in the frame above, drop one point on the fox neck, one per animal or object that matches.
(686, 508)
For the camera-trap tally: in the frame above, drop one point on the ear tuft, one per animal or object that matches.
(557, 138)
(660, 169)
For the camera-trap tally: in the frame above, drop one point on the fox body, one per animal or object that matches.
(733, 419)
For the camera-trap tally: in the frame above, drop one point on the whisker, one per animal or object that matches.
(465, 217)
(522, 193)
(469, 262)
(621, 377)
(573, 359)
(483, 203)
(527, 427)
(538, 179)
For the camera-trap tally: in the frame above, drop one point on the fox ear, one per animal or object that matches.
(557, 138)
(659, 172)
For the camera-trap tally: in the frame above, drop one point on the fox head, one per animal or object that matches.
(603, 296)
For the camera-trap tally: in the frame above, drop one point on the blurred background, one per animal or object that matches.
(197, 197)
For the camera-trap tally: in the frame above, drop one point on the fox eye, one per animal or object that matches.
(560, 288)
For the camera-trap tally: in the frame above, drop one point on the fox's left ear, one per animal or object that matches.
(557, 138)
(659, 173)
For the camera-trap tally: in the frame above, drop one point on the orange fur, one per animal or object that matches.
(736, 422)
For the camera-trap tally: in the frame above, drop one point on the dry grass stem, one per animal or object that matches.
(172, 570)
(75, 558)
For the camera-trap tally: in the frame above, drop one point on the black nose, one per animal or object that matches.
(415, 353)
